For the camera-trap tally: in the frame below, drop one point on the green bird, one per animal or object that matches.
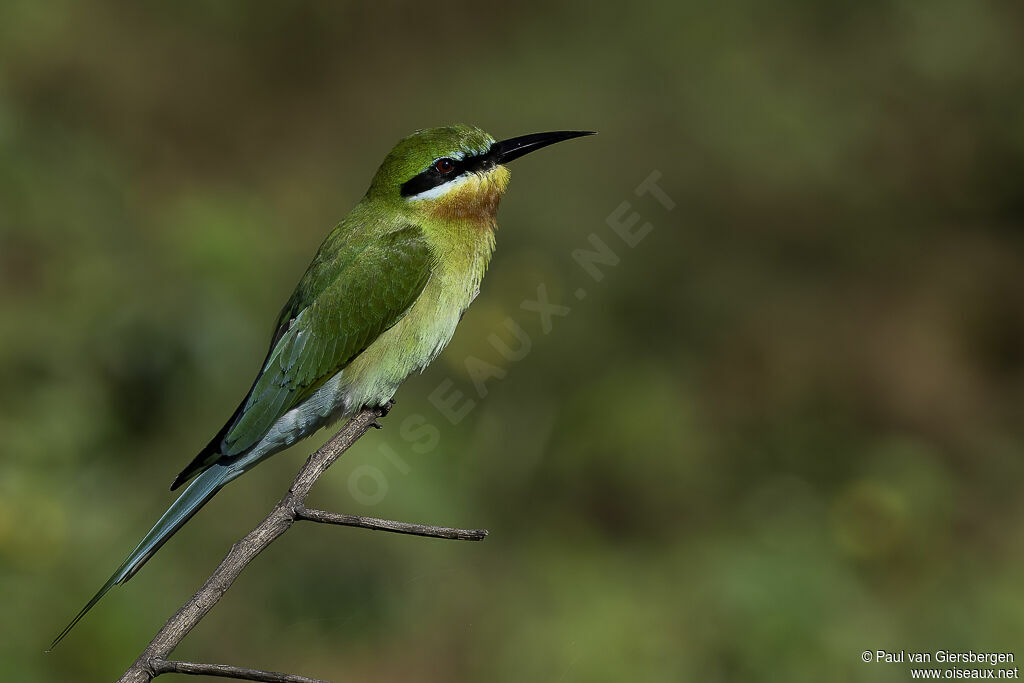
(380, 300)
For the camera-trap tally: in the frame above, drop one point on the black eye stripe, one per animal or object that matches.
(431, 177)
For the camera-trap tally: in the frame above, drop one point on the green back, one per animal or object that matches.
(359, 285)
(344, 302)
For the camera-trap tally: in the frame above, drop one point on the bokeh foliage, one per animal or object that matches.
(786, 428)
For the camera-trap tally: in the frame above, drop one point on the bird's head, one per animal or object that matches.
(454, 171)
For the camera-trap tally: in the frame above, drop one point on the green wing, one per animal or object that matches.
(354, 290)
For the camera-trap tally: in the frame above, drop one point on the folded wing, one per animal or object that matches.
(346, 299)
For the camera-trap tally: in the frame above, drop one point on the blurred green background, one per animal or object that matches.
(785, 428)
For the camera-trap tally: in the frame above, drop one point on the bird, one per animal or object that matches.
(380, 300)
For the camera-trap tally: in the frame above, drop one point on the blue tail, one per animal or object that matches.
(188, 503)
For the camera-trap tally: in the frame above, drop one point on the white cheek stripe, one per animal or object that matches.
(441, 190)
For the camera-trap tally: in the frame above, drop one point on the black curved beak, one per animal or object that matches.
(506, 150)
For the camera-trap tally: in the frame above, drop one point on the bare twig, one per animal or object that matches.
(388, 525)
(162, 666)
(153, 660)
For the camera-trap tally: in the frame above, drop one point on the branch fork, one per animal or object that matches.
(153, 661)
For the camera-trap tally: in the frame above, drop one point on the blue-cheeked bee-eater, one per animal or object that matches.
(380, 300)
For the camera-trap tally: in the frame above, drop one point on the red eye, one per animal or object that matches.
(445, 165)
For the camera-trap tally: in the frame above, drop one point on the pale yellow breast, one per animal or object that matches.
(373, 377)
